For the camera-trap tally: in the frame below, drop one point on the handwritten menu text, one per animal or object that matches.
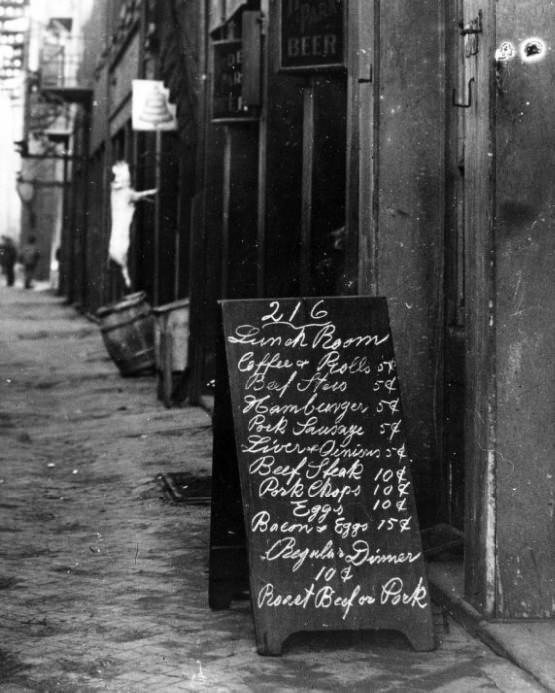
(325, 471)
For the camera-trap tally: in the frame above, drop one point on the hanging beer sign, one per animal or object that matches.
(312, 35)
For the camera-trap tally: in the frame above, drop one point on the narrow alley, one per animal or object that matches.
(103, 578)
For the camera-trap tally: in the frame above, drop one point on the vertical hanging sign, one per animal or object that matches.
(227, 97)
(236, 74)
(312, 35)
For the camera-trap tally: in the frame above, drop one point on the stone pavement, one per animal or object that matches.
(103, 580)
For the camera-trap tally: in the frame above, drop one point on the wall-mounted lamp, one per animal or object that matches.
(25, 189)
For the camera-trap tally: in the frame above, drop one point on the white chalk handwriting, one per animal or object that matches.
(331, 507)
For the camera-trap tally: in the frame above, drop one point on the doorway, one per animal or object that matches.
(324, 189)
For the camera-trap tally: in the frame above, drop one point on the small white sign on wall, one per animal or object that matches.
(151, 109)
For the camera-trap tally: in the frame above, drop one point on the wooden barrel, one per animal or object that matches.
(127, 328)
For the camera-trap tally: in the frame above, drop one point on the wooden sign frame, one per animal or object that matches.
(328, 506)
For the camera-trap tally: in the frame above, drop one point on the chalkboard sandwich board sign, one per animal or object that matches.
(330, 520)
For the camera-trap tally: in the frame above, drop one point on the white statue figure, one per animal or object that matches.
(123, 199)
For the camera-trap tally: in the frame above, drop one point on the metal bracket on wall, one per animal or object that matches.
(470, 32)
(367, 80)
(468, 104)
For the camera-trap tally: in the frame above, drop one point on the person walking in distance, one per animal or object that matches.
(9, 256)
(2, 255)
(29, 257)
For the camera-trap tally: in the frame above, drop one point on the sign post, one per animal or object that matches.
(329, 511)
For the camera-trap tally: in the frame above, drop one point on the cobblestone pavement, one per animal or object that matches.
(103, 579)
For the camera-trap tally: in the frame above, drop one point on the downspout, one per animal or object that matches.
(107, 163)
(87, 104)
(197, 252)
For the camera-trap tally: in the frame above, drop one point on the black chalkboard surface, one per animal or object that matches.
(330, 520)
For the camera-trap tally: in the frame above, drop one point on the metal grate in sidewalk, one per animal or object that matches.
(187, 488)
